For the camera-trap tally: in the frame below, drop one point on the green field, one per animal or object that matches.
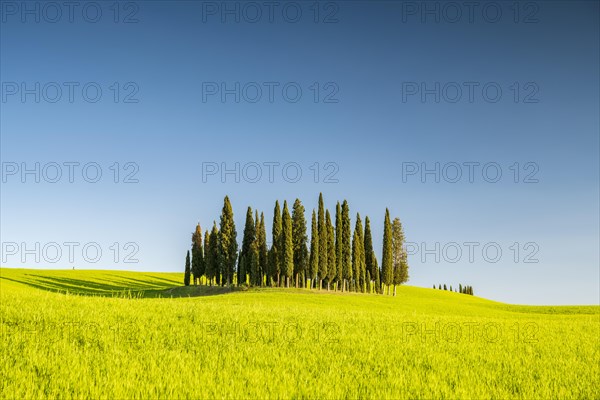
(114, 334)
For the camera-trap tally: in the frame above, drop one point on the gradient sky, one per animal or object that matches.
(367, 50)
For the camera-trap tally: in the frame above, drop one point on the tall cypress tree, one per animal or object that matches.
(370, 260)
(387, 265)
(314, 249)
(358, 256)
(323, 267)
(331, 256)
(338, 246)
(197, 254)
(228, 247)
(346, 246)
(400, 259)
(287, 244)
(261, 239)
(275, 254)
(206, 251)
(247, 241)
(186, 275)
(212, 262)
(299, 240)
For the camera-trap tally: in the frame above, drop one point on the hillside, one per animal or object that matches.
(134, 334)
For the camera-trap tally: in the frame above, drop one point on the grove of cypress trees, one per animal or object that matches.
(186, 275)
(338, 246)
(346, 246)
(323, 259)
(387, 258)
(299, 239)
(228, 247)
(247, 241)
(331, 251)
(197, 255)
(314, 249)
(287, 244)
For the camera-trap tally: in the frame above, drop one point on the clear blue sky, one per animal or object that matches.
(368, 58)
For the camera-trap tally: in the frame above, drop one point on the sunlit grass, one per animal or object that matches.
(114, 334)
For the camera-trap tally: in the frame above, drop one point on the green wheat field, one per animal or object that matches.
(115, 334)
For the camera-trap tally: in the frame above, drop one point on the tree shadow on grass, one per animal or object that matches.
(122, 288)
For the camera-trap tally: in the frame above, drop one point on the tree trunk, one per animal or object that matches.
(296, 281)
(394, 290)
(328, 286)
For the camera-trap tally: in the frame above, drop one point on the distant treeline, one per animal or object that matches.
(334, 258)
(461, 289)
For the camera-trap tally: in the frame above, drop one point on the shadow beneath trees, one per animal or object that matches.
(124, 287)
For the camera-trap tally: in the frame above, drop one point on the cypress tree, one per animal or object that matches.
(314, 249)
(346, 247)
(263, 257)
(370, 260)
(331, 255)
(197, 255)
(247, 241)
(206, 251)
(275, 256)
(445, 287)
(400, 259)
(358, 255)
(338, 245)
(323, 258)
(228, 247)
(460, 289)
(212, 256)
(386, 258)
(186, 275)
(377, 274)
(287, 244)
(299, 240)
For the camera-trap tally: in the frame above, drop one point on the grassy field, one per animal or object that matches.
(114, 334)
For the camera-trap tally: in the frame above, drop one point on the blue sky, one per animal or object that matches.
(362, 59)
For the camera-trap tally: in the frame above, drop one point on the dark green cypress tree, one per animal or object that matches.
(197, 255)
(370, 260)
(263, 255)
(358, 256)
(323, 259)
(460, 289)
(331, 251)
(212, 257)
(299, 238)
(247, 241)
(445, 288)
(228, 247)
(276, 256)
(377, 274)
(206, 251)
(287, 244)
(314, 250)
(387, 265)
(186, 275)
(346, 246)
(338, 246)
(400, 259)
